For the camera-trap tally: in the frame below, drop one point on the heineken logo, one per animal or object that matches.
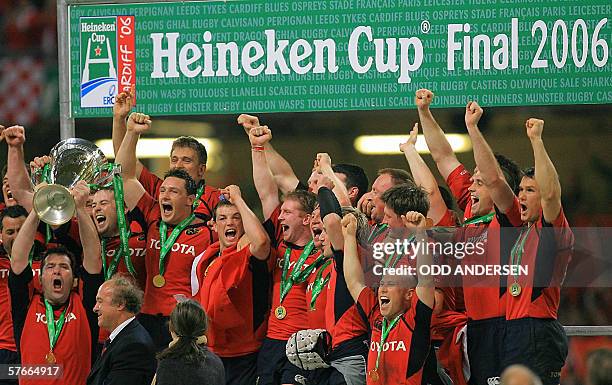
(108, 59)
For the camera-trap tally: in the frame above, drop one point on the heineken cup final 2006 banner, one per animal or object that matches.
(303, 55)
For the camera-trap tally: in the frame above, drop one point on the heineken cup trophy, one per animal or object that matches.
(72, 160)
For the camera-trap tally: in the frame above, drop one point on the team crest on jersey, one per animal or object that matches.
(108, 58)
(141, 237)
(192, 231)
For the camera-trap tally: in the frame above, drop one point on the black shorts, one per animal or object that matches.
(274, 368)
(240, 370)
(539, 344)
(485, 350)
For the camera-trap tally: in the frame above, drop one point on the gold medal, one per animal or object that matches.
(50, 357)
(373, 375)
(515, 289)
(280, 312)
(159, 280)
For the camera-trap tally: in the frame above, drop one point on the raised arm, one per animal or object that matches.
(92, 261)
(121, 109)
(545, 173)
(126, 157)
(331, 215)
(425, 287)
(438, 145)
(281, 169)
(16, 171)
(262, 176)
(492, 175)
(353, 272)
(423, 177)
(23, 243)
(324, 163)
(259, 242)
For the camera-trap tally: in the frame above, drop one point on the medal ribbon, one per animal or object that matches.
(302, 275)
(376, 231)
(45, 177)
(319, 283)
(386, 329)
(199, 193)
(288, 280)
(124, 230)
(54, 328)
(516, 254)
(482, 219)
(167, 243)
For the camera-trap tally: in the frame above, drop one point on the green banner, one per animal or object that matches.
(301, 55)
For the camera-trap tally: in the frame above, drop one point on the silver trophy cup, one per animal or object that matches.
(72, 160)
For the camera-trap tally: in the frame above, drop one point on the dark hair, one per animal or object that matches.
(190, 184)
(398, 176)
(511, 171)
(404, 197)
(12, 212)
(222, 203)
(600, 367)
(191, 142)
(60, 250)
(306, 199)
(529, 172)
(355, 177)
(126, 292)
(188, 321)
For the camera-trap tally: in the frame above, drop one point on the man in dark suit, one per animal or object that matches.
(128, 356)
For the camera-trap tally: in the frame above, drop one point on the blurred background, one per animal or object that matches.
(577, 138)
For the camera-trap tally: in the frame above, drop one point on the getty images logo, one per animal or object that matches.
(107, 58)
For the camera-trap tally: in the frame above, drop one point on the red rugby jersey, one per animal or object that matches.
(342, 316)
(208, 200)
(138, 247)
(7, 340)
(316, 315)
(295, 301)
(484, 296)
(406, 348)
(459, 181)
(548, 250)
(192, 241)
(234, 291)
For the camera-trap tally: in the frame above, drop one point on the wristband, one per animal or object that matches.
(257, 148)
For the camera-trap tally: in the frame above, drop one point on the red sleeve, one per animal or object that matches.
(512, 217)
(459, 181)
(235, 268)
(150, 209)
(150, 182)
(273, 227)
(563, 232)
(368, 303)
(448, 220)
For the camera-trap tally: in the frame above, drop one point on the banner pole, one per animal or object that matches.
(63, 42)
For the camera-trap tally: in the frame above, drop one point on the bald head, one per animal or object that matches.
(519, 375)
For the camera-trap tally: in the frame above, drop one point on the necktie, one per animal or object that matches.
(106, 345)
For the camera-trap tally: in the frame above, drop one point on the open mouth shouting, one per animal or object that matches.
(100, 220)
(231, 235)
(57, 284)
(167, 209)
(385, 302)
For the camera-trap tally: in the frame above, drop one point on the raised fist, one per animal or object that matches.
(248, 121)
(123, 104)
(39, 162)
(423, 98)
(260, 135)
(412, 139)
(349, 225)
(80, 192)
(232, 193)
(323, 159)
(534, 128)
(414, 219)
(473, 113)
(14, 135)
(138, 123)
